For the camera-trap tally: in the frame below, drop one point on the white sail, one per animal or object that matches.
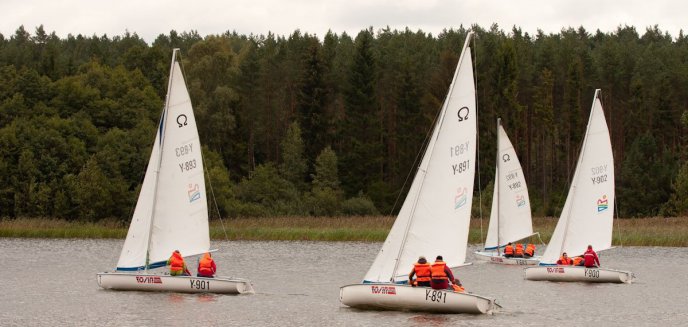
(587, 217)
(171, 212)
(510, 218)
(435, 216)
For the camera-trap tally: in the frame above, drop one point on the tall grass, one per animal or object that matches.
(655, 231)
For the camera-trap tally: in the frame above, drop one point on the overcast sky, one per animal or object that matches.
(149, 18)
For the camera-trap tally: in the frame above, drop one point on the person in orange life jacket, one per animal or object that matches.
(564, 260)
(518, 253)
(509, 250)
(590, 258)
(421, 270)
(530, 250)
(441, 274)
(177, 265)
(578, 261)
(206, 266)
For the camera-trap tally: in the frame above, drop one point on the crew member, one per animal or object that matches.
(590, 258)
(509, 250)
(441, 274)
(564, 260)
(206, 266)
(421, 270)
(578, 261)
(177, 265)
(519, 250)
(530, 250)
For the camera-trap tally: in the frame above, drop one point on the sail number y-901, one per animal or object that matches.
(435, 296)
(198, 284)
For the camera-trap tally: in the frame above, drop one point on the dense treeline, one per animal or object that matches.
(301, 125)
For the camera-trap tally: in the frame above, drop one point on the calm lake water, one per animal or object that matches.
(53, 283)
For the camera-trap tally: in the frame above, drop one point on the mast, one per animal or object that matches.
(157, 166)
(497, 182)
(428, 152)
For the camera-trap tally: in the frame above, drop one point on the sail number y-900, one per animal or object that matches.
(435, 296)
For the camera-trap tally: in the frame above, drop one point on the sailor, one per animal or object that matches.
(421, 270)
(578, 261)
(530, 250)
(564, 260)
(177, 265)
(519, 250)
(509, 250)
(206, 266)
(590, 258)
(441, 274)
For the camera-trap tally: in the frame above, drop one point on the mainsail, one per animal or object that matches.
(587, 217)
(510, 218)
(435, 216)
(171, 211)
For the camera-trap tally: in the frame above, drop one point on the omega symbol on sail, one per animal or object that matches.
(463, 114)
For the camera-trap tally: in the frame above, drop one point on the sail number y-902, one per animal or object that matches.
(435, 296)
(198, 284)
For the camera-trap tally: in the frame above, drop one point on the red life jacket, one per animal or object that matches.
(437, 270)
(422, 271)
(205, 266)
(530, 249)
(176, 262)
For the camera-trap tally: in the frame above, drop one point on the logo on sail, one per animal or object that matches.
(602, 204)
(148, 280)
(460, 198)
(194, 192)
(520, 200)
(463, 113)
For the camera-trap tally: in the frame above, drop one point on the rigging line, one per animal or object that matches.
(477, 110)
(618, 225)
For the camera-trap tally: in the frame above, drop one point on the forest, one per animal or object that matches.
(307, 125)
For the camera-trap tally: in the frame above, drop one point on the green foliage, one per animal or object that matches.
(293, 166)
(360, 205)
(266, 193)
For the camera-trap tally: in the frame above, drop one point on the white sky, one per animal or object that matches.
(149, 18)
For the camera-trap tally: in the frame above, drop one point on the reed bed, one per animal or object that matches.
(654, 231)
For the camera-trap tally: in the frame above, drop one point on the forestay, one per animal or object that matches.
(510, 218)
(435, 215)
(171, 212)
(587, 217)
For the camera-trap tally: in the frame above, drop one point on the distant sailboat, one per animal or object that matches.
(587, 217)
(171, 212)
(435, 216)
(510, 218)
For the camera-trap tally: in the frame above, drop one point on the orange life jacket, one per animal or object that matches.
(577, 261)
(566, 261)
(176, 262)
(437, 270)
(458, 288)
(519, 249)
(423, 272)
(530, 249)
(205, 266)
(509, 249)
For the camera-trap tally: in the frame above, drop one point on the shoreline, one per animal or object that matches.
(654, 231)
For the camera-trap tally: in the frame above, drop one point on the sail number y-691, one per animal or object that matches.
(187, 165)
(435, 296)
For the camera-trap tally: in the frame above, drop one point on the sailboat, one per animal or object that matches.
(510, 218)
(435, 215)
(171, 212)
(587, 216)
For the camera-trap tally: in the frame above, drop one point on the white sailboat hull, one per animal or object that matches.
(166, 283)
(494, 257)
(578, 274)
(385, 296)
